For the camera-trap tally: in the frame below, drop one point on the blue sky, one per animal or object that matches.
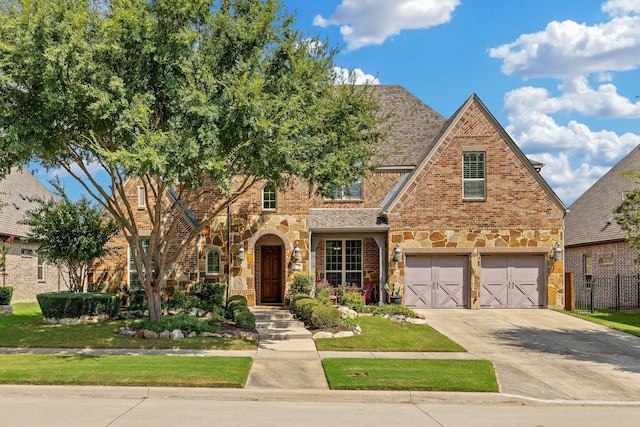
(560, 76)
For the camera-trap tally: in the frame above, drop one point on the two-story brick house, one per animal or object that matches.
(455, 212)
(25, 270)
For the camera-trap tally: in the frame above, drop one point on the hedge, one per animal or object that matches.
(212, 294)
(60, 305)
(5, 295)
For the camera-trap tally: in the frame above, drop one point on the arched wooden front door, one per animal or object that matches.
(271, 274)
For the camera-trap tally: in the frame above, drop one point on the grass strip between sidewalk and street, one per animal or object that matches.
(171, 371)
(404, 374)
(381, 334)
(625, 321)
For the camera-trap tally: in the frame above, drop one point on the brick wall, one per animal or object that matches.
(608, 259)
(22, 274)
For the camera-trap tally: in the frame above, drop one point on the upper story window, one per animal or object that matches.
(348, 192)
(142, 197)
(213, 261)
(269, 197)
(473, 176)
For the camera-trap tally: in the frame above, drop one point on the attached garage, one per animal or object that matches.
(512, 281)
(437, 281)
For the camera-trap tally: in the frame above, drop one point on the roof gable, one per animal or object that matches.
(590, 217)
(19, 192)
(447, 130)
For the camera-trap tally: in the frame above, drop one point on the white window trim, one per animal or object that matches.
(217, 250)
(131, 269)
(270, 187)
(342, 192)
(483, 180)
(344, 271)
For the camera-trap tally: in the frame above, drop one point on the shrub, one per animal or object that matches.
(244, 318)
(211, 294)
(297, 304)
(305, 308)
(392, 309)
(178, 299)
(61, 305)
(323, 293)
(234, 304)
(6, 292)
(325, 317)
(351, 296)
(237, 298)
(184, 322)
(302, 284)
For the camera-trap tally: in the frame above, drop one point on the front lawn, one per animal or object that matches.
(25, 329)
(171, 371)
(381, 334)
(625, 321)
(404, 374)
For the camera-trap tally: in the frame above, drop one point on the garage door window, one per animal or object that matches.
(473, 176)
(343, 262)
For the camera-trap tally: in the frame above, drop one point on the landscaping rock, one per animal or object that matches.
(343, 334)
(322, 334)
(150, 335)
(357, 330)
(347, 313)
(165, 334)
(6, 310)
(176, 334)
(211, 335)
(416, 321)
(192, 334)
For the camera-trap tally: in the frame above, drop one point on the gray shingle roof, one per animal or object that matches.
(339, 219)
(18, 193)
(413, 126)
(588, 218)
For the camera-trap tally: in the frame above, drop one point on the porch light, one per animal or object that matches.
(241, 252)
(397, 253)
(206, 231)
(297, 257)
(557, 252)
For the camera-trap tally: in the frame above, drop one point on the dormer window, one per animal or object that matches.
(269, 197)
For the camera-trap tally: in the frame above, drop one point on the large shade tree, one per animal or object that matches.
(176, 93)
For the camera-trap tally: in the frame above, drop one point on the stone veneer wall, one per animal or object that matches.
(476, 242)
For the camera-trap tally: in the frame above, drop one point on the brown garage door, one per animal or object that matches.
(436, 281)
(512, 281)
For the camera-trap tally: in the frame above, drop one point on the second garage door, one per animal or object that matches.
(512, 281)
(436, 281)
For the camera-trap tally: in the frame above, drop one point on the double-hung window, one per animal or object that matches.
(40, 270)
(473, 176)
(343, 262)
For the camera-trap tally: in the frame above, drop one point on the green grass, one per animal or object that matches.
(25, 329)
(625, 321)
(174, 371)
(404, 374)
(381, 334)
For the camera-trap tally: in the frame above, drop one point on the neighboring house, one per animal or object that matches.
(25, 270)
(456, 213)
(595, 244)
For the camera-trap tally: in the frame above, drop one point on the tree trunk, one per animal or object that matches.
(155, 304)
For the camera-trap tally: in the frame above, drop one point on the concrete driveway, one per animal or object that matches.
(547, 355)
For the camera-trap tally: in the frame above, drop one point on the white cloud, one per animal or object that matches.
(568, 183)
(371, 22)
(356, 76)
(567, 49)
